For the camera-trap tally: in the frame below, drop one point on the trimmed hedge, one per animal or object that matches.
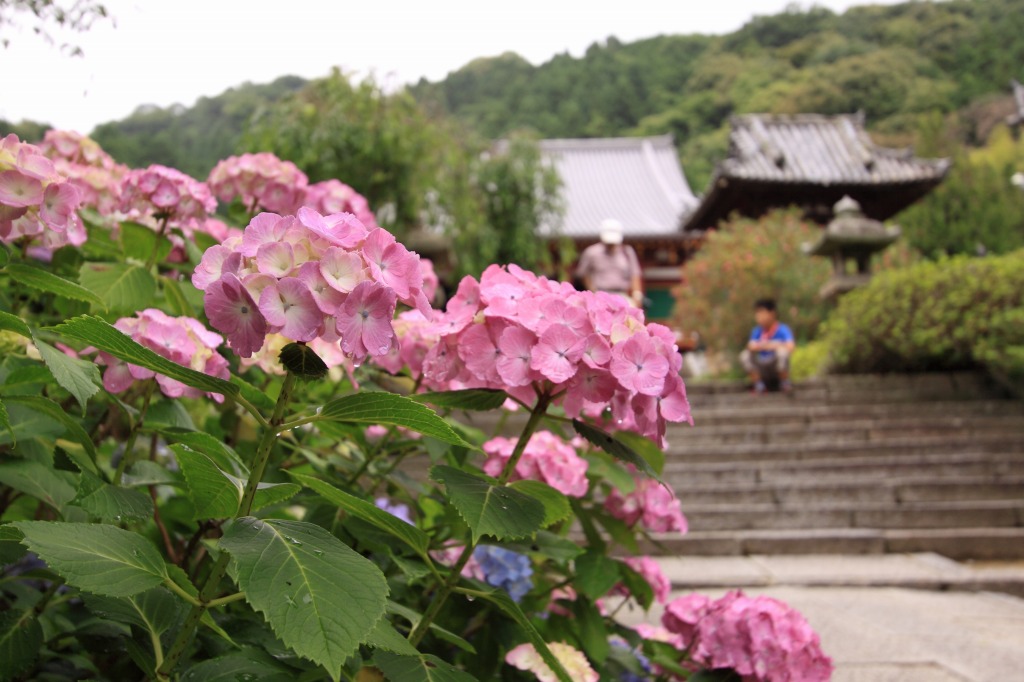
(954, 313)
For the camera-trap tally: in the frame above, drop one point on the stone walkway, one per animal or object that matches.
(890, 618)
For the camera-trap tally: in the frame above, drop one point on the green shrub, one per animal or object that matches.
(955, 313)
(809, 360)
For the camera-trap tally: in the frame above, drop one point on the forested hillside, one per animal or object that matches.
(894, 62)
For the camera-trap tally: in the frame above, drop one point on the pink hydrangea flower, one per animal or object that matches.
(526, 657)
(262, 181)
(547, 458)
(334, 196)
(232, 310)
(183, 340)
(651, 571)
(38, 205)
(364, 320)
(161, 197)
(651, 504)
(761, 638)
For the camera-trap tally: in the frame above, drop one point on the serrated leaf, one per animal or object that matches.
(55, 488)
(476, 399)
(213, 495)
(145, 472)
(615, 448)
(47, 281)
(122, 287)
(96, 558)
(412, 536)
(26, 380)
(386, 638)
(13, 323)
(11, 548)
(139, 241)
(595, 574)
(221, 453)
(21, 637)
(112, 503)
(254, 395)
(488, 508)
(5, 423)
(169, 414)
(421, 668)
(249, 664)
(105, 337)
(501, 599)
(321, 598)
(72, 429)
(78, 377)
(387, 408)
(155, 610)
(556, 504)
(302, 361)
(27, 423)
(644, 447)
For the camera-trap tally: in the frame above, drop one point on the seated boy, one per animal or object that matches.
(766, 358)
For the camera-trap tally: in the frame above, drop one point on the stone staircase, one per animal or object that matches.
(851, 465)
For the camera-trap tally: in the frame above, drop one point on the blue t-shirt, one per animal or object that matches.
(782, 333)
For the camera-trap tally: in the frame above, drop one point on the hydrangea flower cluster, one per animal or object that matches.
(37, 203)
(644, 663)
(651, 504)
(166, 195)
(183, 340)
(261, 181)
(547, 458)
(94, 172)
(761, 638)
(496, 566)
(516, 331)
(526, 657)
(334, 196)
(418, 335)
(307, 277)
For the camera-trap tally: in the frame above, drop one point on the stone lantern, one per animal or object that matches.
(850, 236)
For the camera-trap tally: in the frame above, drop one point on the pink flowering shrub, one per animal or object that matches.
(262, 182)
(525, 657)
(650, 504)
(334, 196)
(589, 351)
(308, 277)
(183, 340)
(38, 206)
(165, 196)
(761, 638)
(547, 458)
(94, 172)
(650, 570)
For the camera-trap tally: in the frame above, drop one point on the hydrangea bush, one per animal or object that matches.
(256, 451)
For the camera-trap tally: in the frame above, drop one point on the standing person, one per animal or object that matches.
(766, 357)
(611, 265)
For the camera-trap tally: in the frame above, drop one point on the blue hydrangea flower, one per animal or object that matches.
(395, 509)
(645, 663)
(506, 569)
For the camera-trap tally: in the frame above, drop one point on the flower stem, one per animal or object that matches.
(536, 416)
(156, 246)
(213, 580)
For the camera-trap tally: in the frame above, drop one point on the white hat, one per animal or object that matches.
(611, 231)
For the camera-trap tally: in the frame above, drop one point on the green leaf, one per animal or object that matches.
(78, 377)
(11, 548)
(613, 447)
(111, 503)
(302, 361)
(556, 547)
(55, 488)
(595, 574)
(145, 472)
(590, 628)
(477, 399)
(96, 558)
(105, 337)
(51, 283)
(139, 241)
(388, 408)
(155, 610)
(321, 598)
(122, 287)
(556, 505)
(21, 638)
(501, 599)
(414, 619)
(254, 395)
(13, 323)
(247, 664)
(421, 668)
(213, 495)
(169, 413)
(5, 423)
(637, 585)
(644, 447)
(385, 637)
(28, 424)
(175, 297)
(415, 538)
(490, 509)
(221, 453)
(44, 406)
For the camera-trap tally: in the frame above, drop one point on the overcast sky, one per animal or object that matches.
(159, 52)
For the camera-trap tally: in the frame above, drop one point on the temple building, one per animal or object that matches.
(638, 182)
(811, 161)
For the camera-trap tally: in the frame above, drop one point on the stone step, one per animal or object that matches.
(930, 382)
(850, 469)
(984, 513)
(890, 491)
(954, 543)
(782, 411)
(679, 451)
